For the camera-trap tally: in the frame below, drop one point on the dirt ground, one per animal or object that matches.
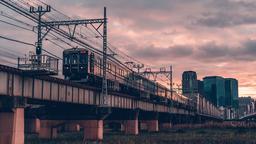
(174, 136)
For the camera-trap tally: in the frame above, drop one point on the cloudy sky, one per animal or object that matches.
(211, 37)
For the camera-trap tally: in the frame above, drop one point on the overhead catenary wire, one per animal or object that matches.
(24, 11)
(26, 43)
(15, 40)
(62, 31)
(62, 35)
(3, 21)
(6, 61)
(8, 16)
(110, 47)
(51, 35)
(22, 42)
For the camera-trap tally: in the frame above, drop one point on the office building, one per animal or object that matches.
(214, 90)
(189, 82)
(231, 93)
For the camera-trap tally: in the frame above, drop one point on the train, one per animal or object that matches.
(84, 66)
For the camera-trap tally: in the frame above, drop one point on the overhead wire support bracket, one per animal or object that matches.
(40, 11)
(73, 22)
(168, 73)
(104, 102)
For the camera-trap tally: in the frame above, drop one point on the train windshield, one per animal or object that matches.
(74, 59)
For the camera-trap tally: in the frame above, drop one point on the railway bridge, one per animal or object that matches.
(43, 104)
(249, 117)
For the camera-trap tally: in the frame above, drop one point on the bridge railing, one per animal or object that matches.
(205, 107)
(42, 63)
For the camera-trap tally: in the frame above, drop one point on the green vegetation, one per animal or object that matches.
(178, 136)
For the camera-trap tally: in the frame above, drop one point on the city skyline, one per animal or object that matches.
(190, 35)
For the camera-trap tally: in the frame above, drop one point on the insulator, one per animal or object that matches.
(48, 8)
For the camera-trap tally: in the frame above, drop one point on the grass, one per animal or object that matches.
(176, 136)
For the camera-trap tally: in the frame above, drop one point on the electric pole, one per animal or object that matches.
(104, 81)
(40, 11)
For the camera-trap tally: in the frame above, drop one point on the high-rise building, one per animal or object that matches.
(231, 92)
(189, 82)
(214, 90)
(200, 87)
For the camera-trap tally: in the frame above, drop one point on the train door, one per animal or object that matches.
(83, 63)
(66, 65)
(92, 62)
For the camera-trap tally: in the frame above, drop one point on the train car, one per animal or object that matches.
(83, 66)
(75, 64)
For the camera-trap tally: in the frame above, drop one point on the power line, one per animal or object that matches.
(15, 25)
(17, 41)
(6, 61)
(129, 57)
(51, 54)
(25, 12)
(4, 14)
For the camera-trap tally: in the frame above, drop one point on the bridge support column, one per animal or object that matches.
(151, 120)
(32, 125)
(12, 126)
(152, 125)
(93, 130)
(48, 129)
(131, 125)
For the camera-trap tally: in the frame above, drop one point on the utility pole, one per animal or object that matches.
(105, 99)
(171, 81)
(162, 71)
(40, 11)
(138, 67)
(133, 65)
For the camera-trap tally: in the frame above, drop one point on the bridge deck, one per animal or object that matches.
(14, 82)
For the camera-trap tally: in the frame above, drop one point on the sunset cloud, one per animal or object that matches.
(212, 37)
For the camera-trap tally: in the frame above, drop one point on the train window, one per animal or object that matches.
(74, 59)
(66, 60)
(113, 68)
(92, 60)
(108, 66)
(121, 71)
(82, 59)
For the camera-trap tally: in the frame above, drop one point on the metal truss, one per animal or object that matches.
(162, 71)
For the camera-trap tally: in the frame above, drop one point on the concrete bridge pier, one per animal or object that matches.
(48, 129)
(12, 126)
(93, 129)
(165, 121)
(94, 126)
(32, 125)
(12, 120)
(131, 125)
(165, 125)
(152, 123)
